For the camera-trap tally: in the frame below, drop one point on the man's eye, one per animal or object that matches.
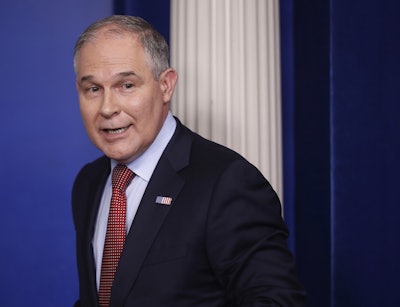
(93, 89)
(127, 85)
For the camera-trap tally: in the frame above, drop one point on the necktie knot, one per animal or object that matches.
(121, 177)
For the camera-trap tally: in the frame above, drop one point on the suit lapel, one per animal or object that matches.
(98, 182)
(165, 181)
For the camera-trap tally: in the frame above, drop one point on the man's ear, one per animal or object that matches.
(167, 82)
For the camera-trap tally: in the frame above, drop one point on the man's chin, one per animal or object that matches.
(121, 157)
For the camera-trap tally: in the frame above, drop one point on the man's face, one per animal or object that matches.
(122, 106)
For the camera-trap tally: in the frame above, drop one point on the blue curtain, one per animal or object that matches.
(340, 62)
(157, 12)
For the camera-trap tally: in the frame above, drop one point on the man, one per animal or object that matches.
(203, 227)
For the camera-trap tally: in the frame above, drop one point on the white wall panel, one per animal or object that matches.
(226, 53)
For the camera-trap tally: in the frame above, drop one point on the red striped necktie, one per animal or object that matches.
(115, 235)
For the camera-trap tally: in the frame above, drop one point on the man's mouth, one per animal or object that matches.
(116, 131)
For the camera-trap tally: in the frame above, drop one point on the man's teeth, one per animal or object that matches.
(116, 131)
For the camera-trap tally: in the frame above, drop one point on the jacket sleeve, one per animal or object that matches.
(246, 241)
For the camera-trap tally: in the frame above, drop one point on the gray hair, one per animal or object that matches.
(153, 43)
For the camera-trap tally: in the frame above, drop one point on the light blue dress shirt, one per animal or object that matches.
(143, 167)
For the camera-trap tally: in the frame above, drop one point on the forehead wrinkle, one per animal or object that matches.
(127, 73)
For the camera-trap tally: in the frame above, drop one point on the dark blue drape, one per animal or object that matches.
(157, 12)
(306, 139)
(365, 164)
(340, 64)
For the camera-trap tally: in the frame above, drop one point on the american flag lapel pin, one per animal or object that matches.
(163, 200)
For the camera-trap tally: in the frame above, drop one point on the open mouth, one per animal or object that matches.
(115, 131)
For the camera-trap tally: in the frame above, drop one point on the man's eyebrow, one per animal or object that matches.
(127, 74)
(86, 78)
(121, 74)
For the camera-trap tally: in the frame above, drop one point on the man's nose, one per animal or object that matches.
(110, 105)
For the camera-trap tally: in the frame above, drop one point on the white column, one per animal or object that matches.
(227, 56)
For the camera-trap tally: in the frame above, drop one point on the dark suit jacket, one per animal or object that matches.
(221, 242)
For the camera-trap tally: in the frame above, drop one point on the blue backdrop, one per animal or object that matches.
(340, 64)
(43, 145)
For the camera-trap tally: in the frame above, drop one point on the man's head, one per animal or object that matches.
(154, 44)
(124, 85)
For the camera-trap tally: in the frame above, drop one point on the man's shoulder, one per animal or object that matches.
(208, 152)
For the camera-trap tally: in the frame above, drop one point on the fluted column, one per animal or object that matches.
(226, 53)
